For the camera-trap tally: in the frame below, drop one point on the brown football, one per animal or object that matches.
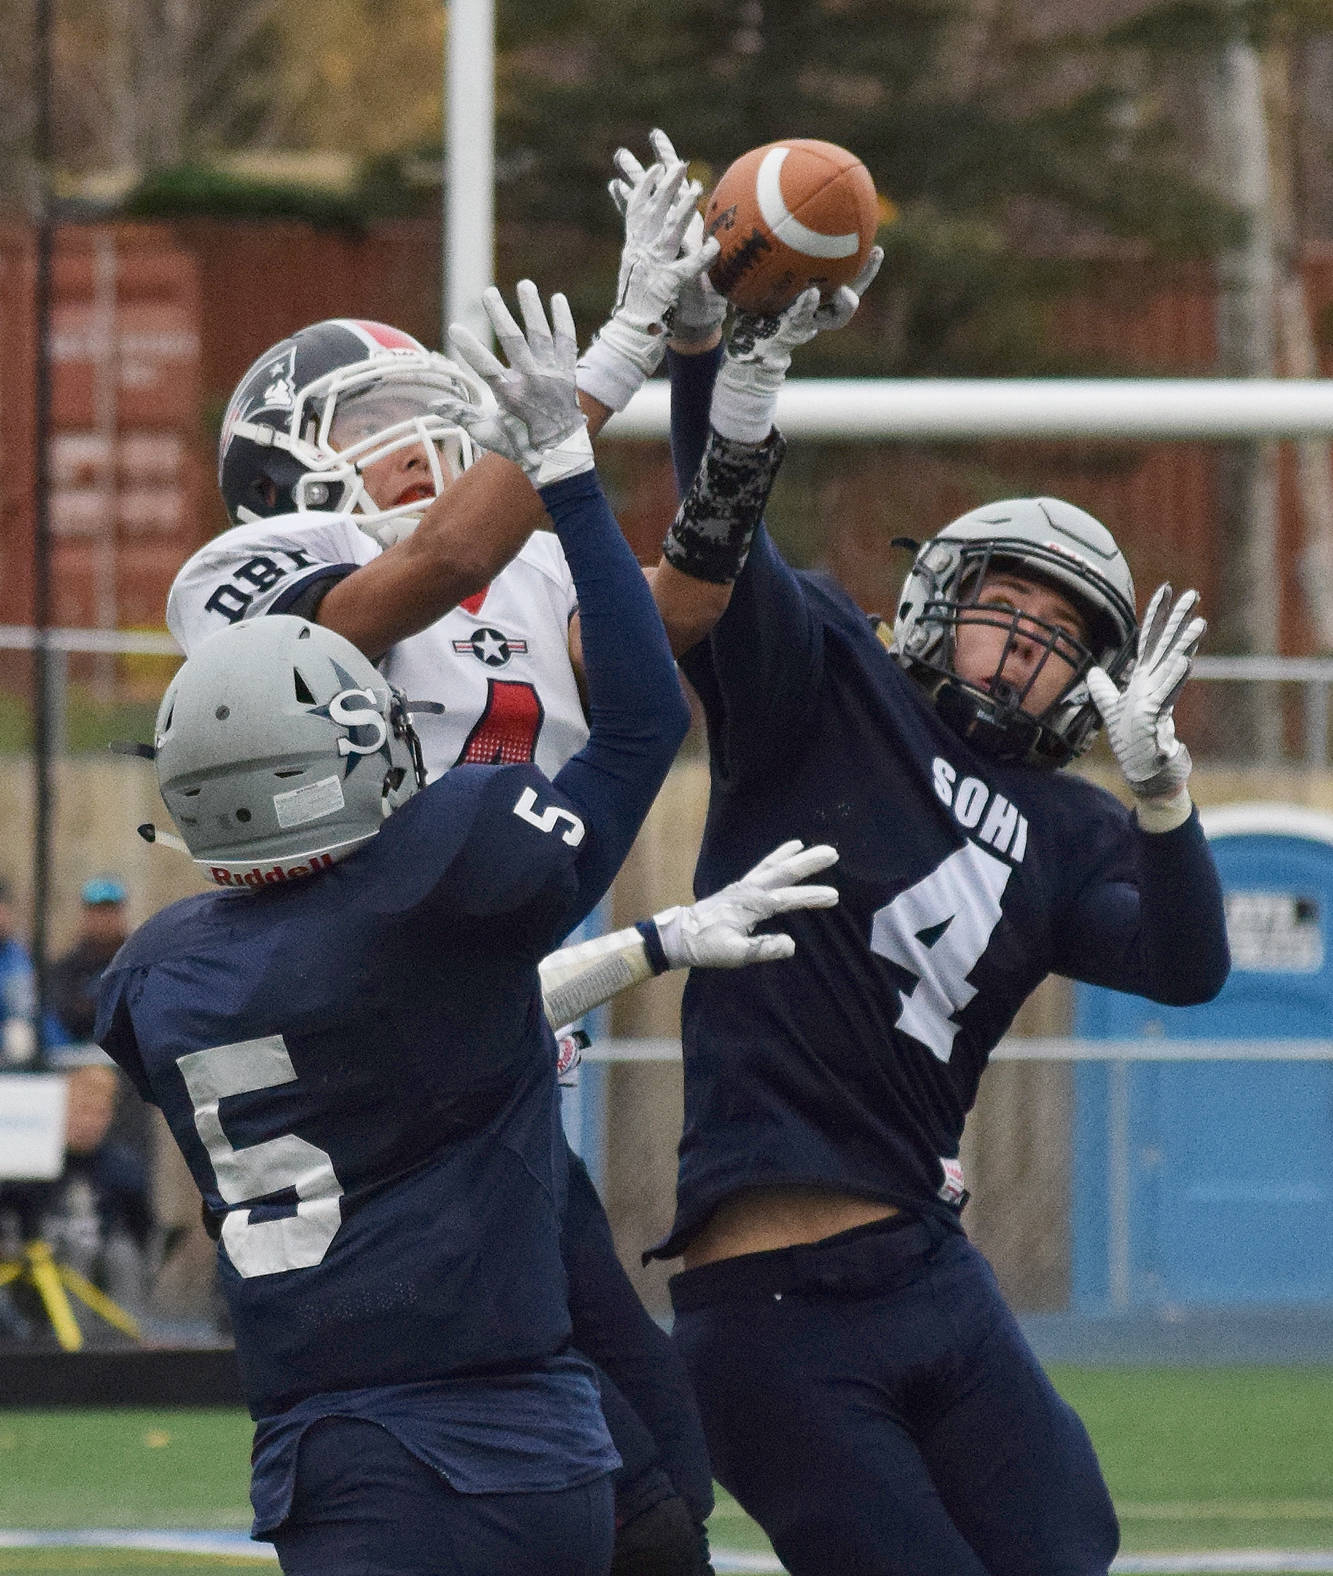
(790, 215)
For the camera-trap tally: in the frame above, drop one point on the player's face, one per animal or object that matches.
(1013, 638)
(404, 475)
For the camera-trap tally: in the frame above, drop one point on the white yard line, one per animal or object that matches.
(727, 1562)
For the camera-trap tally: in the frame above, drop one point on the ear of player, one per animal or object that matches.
(537, 422)
(1139, 723)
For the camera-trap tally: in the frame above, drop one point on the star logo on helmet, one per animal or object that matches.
(491, 647)
(345, 710)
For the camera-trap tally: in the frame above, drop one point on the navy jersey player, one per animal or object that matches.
(358, 503)
(347, 1040)
(867, 1395)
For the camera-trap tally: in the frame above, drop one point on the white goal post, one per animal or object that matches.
(954, 409)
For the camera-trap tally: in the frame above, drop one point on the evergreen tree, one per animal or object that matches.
(995, 147)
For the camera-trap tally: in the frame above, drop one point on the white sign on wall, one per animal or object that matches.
(32, 1126)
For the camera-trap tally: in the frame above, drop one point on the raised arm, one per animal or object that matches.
(472, 530)
(1163, 936)
(637, 713)
(714, 933)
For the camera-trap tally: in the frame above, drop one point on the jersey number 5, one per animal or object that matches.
(548, 819)
(938, 929)
(244, 1176)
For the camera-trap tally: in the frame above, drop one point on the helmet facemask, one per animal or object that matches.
(991, 712)
(355, 418)
(315, 414)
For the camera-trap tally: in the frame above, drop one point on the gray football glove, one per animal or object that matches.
(759, 351)
(1139, 723)
(537, 421)
(663, 250)
(699, 311)
(714, 933)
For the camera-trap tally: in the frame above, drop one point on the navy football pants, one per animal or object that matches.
(365, 1506)
(872, 1403)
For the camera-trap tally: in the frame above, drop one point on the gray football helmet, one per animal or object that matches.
(1053, 542)
(280, 749)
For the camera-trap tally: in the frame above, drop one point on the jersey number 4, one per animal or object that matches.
(256, 1172)
(939, 929)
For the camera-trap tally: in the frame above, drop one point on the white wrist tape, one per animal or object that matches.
(618, 362)
(576, 979)
(1164, 815)
(745, 400)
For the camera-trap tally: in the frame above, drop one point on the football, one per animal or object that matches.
(790, 215)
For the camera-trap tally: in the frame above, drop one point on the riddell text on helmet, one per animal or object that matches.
(258, 877)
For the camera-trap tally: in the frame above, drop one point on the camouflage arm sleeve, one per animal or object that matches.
(713, 528)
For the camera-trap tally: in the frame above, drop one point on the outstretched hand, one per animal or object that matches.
(1139, 723)
(536, 420)
(699, 310)
(715, 932)
(664, 252)
(759, 354)
(664, 246)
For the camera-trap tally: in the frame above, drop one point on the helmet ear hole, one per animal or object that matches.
(303, 691)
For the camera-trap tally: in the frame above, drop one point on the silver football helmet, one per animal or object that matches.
(1049, 541)
(280, 749)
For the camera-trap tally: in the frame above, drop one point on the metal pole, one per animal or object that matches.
(41, 540)
(1118, 1184)
(469, 162)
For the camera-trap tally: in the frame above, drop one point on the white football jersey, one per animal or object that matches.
(499, 663)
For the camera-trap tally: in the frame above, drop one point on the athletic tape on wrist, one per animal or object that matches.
(618, 362)
(710, 537)
(745, 400)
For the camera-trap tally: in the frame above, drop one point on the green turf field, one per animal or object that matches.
(1197, 1459)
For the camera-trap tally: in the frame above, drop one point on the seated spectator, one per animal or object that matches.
(94, 1217)
(18, 1037)
(103, 926)
(72, 990)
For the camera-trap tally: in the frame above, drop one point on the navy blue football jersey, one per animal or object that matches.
(962, 883)
(358, 1071)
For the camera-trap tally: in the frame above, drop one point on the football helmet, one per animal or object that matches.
(315, 411)
(280, 749)
(1052, 542)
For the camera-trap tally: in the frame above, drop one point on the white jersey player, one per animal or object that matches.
(499, 662)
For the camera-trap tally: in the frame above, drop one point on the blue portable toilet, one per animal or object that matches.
(1210, 1183)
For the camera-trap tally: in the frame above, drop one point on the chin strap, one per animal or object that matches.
(151, 834)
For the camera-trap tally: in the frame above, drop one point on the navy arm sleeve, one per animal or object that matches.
(759, 669)
(1163, 937)
(692, 379)
(613, 1328)
(637, 713)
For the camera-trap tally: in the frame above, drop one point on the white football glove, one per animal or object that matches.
(699, 311)
(714, 933)
(758, 354)
(537, 421)
(1139, 724)
(663, 250)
